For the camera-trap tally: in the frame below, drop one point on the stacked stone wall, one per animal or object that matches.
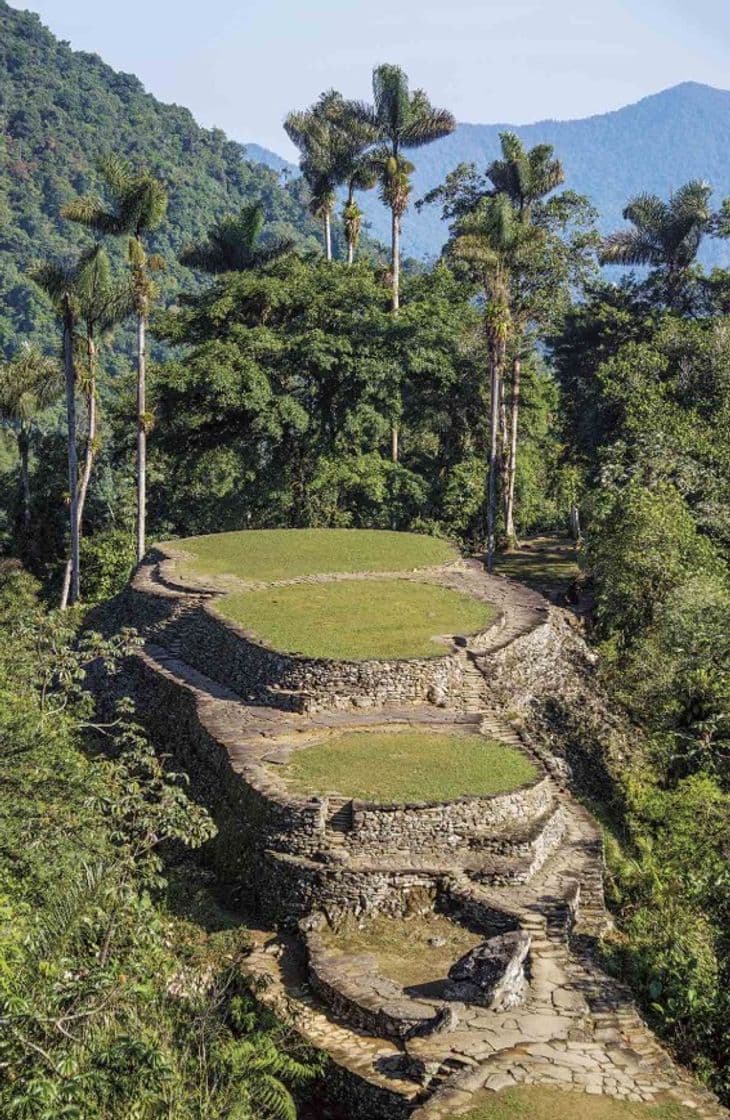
(260, 675)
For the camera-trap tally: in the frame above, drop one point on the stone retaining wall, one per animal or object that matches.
(255, 813)
(359, 995)
(421, 826)
(260, 675)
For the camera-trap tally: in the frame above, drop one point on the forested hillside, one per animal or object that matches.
(60, 110)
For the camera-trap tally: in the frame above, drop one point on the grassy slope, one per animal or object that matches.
(268, 554)
(533, 1102)
(407, 766)
(404, 947)
(356, 619)
(549, 564)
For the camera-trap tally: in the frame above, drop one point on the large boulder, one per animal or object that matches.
(493, 973)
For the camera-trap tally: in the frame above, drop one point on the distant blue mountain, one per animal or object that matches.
(654, 145)
(257, 154)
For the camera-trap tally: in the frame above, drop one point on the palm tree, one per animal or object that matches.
(356, 168)
(59, 282)
(490, 239)
(403, 120)
(135, 205)
(233, 245)
(102, 303)
(315, 133)
(666, 236)
(85, 295)
(525, 177)
(29, 383)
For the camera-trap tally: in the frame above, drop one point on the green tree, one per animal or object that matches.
(490, 239)
(404, 120)
(59, 283)
(357, 168)
(525, 177)
(29, 383)
(135, 205)
(317, 135)
(234, 244)
(666, 236)
(556, 255)
(112, 1005)
(96, 303)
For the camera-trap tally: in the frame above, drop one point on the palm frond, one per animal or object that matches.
(630, 247)
(391, 99)
(647, 212)
(426, 123)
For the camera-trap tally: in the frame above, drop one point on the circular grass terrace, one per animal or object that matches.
(356, 620)
(541, 1102)
(276, 554)
(407, 766)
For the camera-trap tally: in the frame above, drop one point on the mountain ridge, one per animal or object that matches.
(654, 144)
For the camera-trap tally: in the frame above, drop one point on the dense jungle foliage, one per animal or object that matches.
(121, 989)
(509, 389)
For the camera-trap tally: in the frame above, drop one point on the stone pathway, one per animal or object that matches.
(578, 1028)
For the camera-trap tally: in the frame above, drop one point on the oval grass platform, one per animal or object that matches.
(407, 766)
(354, 620)
(276, 554)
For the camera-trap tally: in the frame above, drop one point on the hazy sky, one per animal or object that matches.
(243, 65)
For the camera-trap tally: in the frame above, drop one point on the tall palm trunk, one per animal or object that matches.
(495, 364)
(509, 509)
(89, 454)
(395, 259)
(141, 432)
(24, 455)
(72, 586)
(348, 226)
(327, 218)
(395, 306)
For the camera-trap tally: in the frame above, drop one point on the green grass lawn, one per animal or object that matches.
(356, 619)
(268, 554)
(404, 947)
(548, 564)
(539, 1102)
(407, 766)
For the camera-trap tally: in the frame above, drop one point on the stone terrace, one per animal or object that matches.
(232, 710)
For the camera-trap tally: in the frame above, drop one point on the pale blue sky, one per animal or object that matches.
(243, 65)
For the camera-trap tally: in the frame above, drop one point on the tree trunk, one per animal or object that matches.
(89, 456)
(575, 522)
(90, 453)
(494, 393)
(72, 587)
(509, 512)
(24, 453)
(327, 235)
(141, 435)
(350, 250)
(395, 260)
(395, 306)
(394, 439)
